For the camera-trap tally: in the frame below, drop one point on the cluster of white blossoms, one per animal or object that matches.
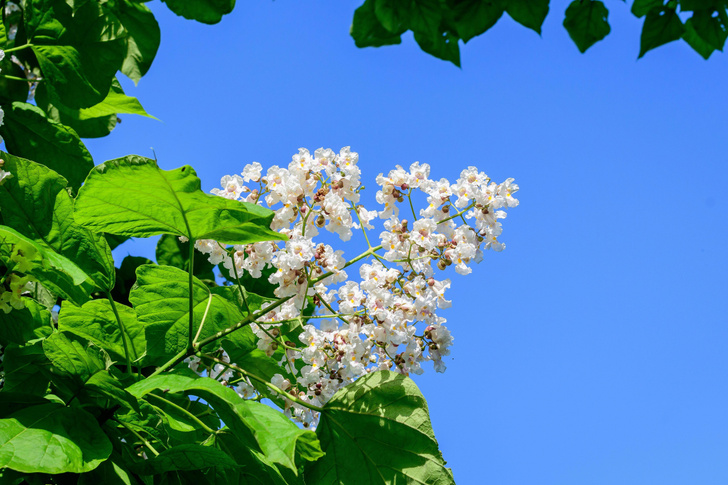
(384, 317)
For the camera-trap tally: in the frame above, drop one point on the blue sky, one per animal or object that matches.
(592, 350)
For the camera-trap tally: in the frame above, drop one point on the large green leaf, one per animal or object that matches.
(54, 271)
(256, 424)
(473, 17)
(394, 15)
(107, 387)
(711, 29)
(95, 121)
(256, 468)
(29, 134)
(52, 438)
(368, 31)
(70, 358)
(529, 13)
(133, 197)
(95, 321)
(187, 457)
(28, 197)
(25, 369)
(36, 204)
(443, 45)
(161, 301)
(377, 431)
(142, 40)
(20, 326)
(78, 52)
(87, 249)
(205, 11)
(660, 27)
(110, 472)
(586, 21)
(640, 8)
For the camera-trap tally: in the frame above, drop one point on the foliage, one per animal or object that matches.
(439, 25)
(154, 372)
(108, 399)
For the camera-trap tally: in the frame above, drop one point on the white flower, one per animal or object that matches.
(251, 172)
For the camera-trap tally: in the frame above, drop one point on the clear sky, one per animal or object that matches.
(593, 349)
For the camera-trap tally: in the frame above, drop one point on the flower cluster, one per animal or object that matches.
(387, 318)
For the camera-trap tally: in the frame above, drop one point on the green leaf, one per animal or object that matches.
(711, 29)
(29, 196)
(79, 53)
(187, 457)
(640, 8)
(695, 41)
(277, 436)
(473, 17)
(586, 22)
(529, 13)
(133, 197)
(25, 369)
(98, 120)
(87, 249)
(367, 30)
(56, 111)
(51, 438)
(12, 90)
(116, 102)
(161, 301)
(72, 359)
(377, 431)
(29, 134)
(256, 467)
(205, 11)
(443, 46)
(95, 321)
(20, 326)
(394, 15)
(425, 17)
(36, 203)
(103, 384)
(54, 271)
(110, 472)
(660, 27)
(142, 40)
(173, 252)
(255, 424)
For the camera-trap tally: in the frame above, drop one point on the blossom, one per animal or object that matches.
(386, 313)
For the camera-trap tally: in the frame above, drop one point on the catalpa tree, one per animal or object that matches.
(250, 351)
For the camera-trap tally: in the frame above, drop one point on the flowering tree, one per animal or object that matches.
(154, 372)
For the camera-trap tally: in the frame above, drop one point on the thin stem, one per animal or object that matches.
(24, 79)
(182, 355)
(204, 317)
(197, 420)
(361, 225)
(458, 214)
(124, 335)
(368, 252)
(140, 437)
(240, 286)
(192, 303)
(18, 48)
(270, 386)
(409, 197)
